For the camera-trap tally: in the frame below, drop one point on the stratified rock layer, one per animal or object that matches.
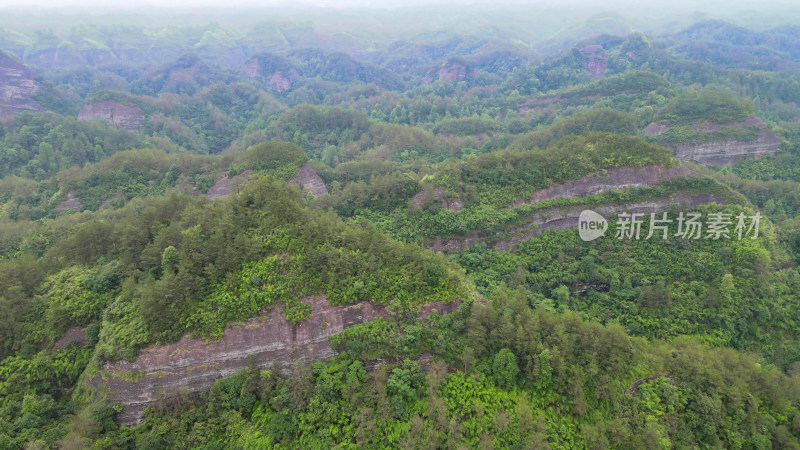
(226, 186)
(123, 117)
(307, 178)
(192, 365)
(619, 178)
(17, 84)
(718, 153)
(280, 79)
(596, 60)
(566, 219)
(71, 203)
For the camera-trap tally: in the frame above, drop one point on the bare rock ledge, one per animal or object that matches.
(123, 117)
(17, 85)
(558, 219)
(718, 153)
(309, 180)
(192, 365)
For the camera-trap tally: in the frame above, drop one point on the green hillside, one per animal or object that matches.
(358, 228)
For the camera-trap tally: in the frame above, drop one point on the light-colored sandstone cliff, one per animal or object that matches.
(309, 180)
(228, 185)
(279, 80)
(17, 84)
(192, 365)
(123, 117)
(557, 219)
(717, 153)
(619, 178)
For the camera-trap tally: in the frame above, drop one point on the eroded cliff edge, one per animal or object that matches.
(618, 178)
(123, 117)
(192, 365)
(559, 219)
(721, 152)
(566, 218)
(17, 85)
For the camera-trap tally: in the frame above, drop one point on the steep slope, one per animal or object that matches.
(17, 84)
(268, 341)
(309, 180)
(118, 115)
(271, 71)
(645, 190)
(753, 139)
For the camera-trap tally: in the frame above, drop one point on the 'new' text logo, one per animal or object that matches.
(591, 225)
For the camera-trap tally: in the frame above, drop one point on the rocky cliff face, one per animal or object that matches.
(17, 84)
(278, 77)
(717, 153)
(71, 203)
(566, 219)
(75, 335)
(620, 178)
(227, 185)
(452, 72)
(307, 178)
(597, 62)
(449, 72)
(123, 117)
(655, 128)
(192, 365)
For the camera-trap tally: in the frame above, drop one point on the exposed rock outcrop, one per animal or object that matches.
(123, 117)
(655, 128)
(597, 62)
(75, 335)
(17, 84)
(192, 365)
(717, 153)
(225, 186)
(565, 219)
(619, 178)
(308, 178)
(71, 203)
(272, 72)
(452, 72)
(449, 72)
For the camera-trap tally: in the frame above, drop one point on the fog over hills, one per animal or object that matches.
(513, 224)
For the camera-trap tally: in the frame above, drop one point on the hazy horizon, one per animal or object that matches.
(537, 20)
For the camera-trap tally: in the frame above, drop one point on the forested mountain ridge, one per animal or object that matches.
(320, 230)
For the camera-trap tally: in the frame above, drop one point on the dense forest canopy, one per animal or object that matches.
(404, 187)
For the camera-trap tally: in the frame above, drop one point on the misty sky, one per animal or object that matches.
(192, 4)
(649, 17)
